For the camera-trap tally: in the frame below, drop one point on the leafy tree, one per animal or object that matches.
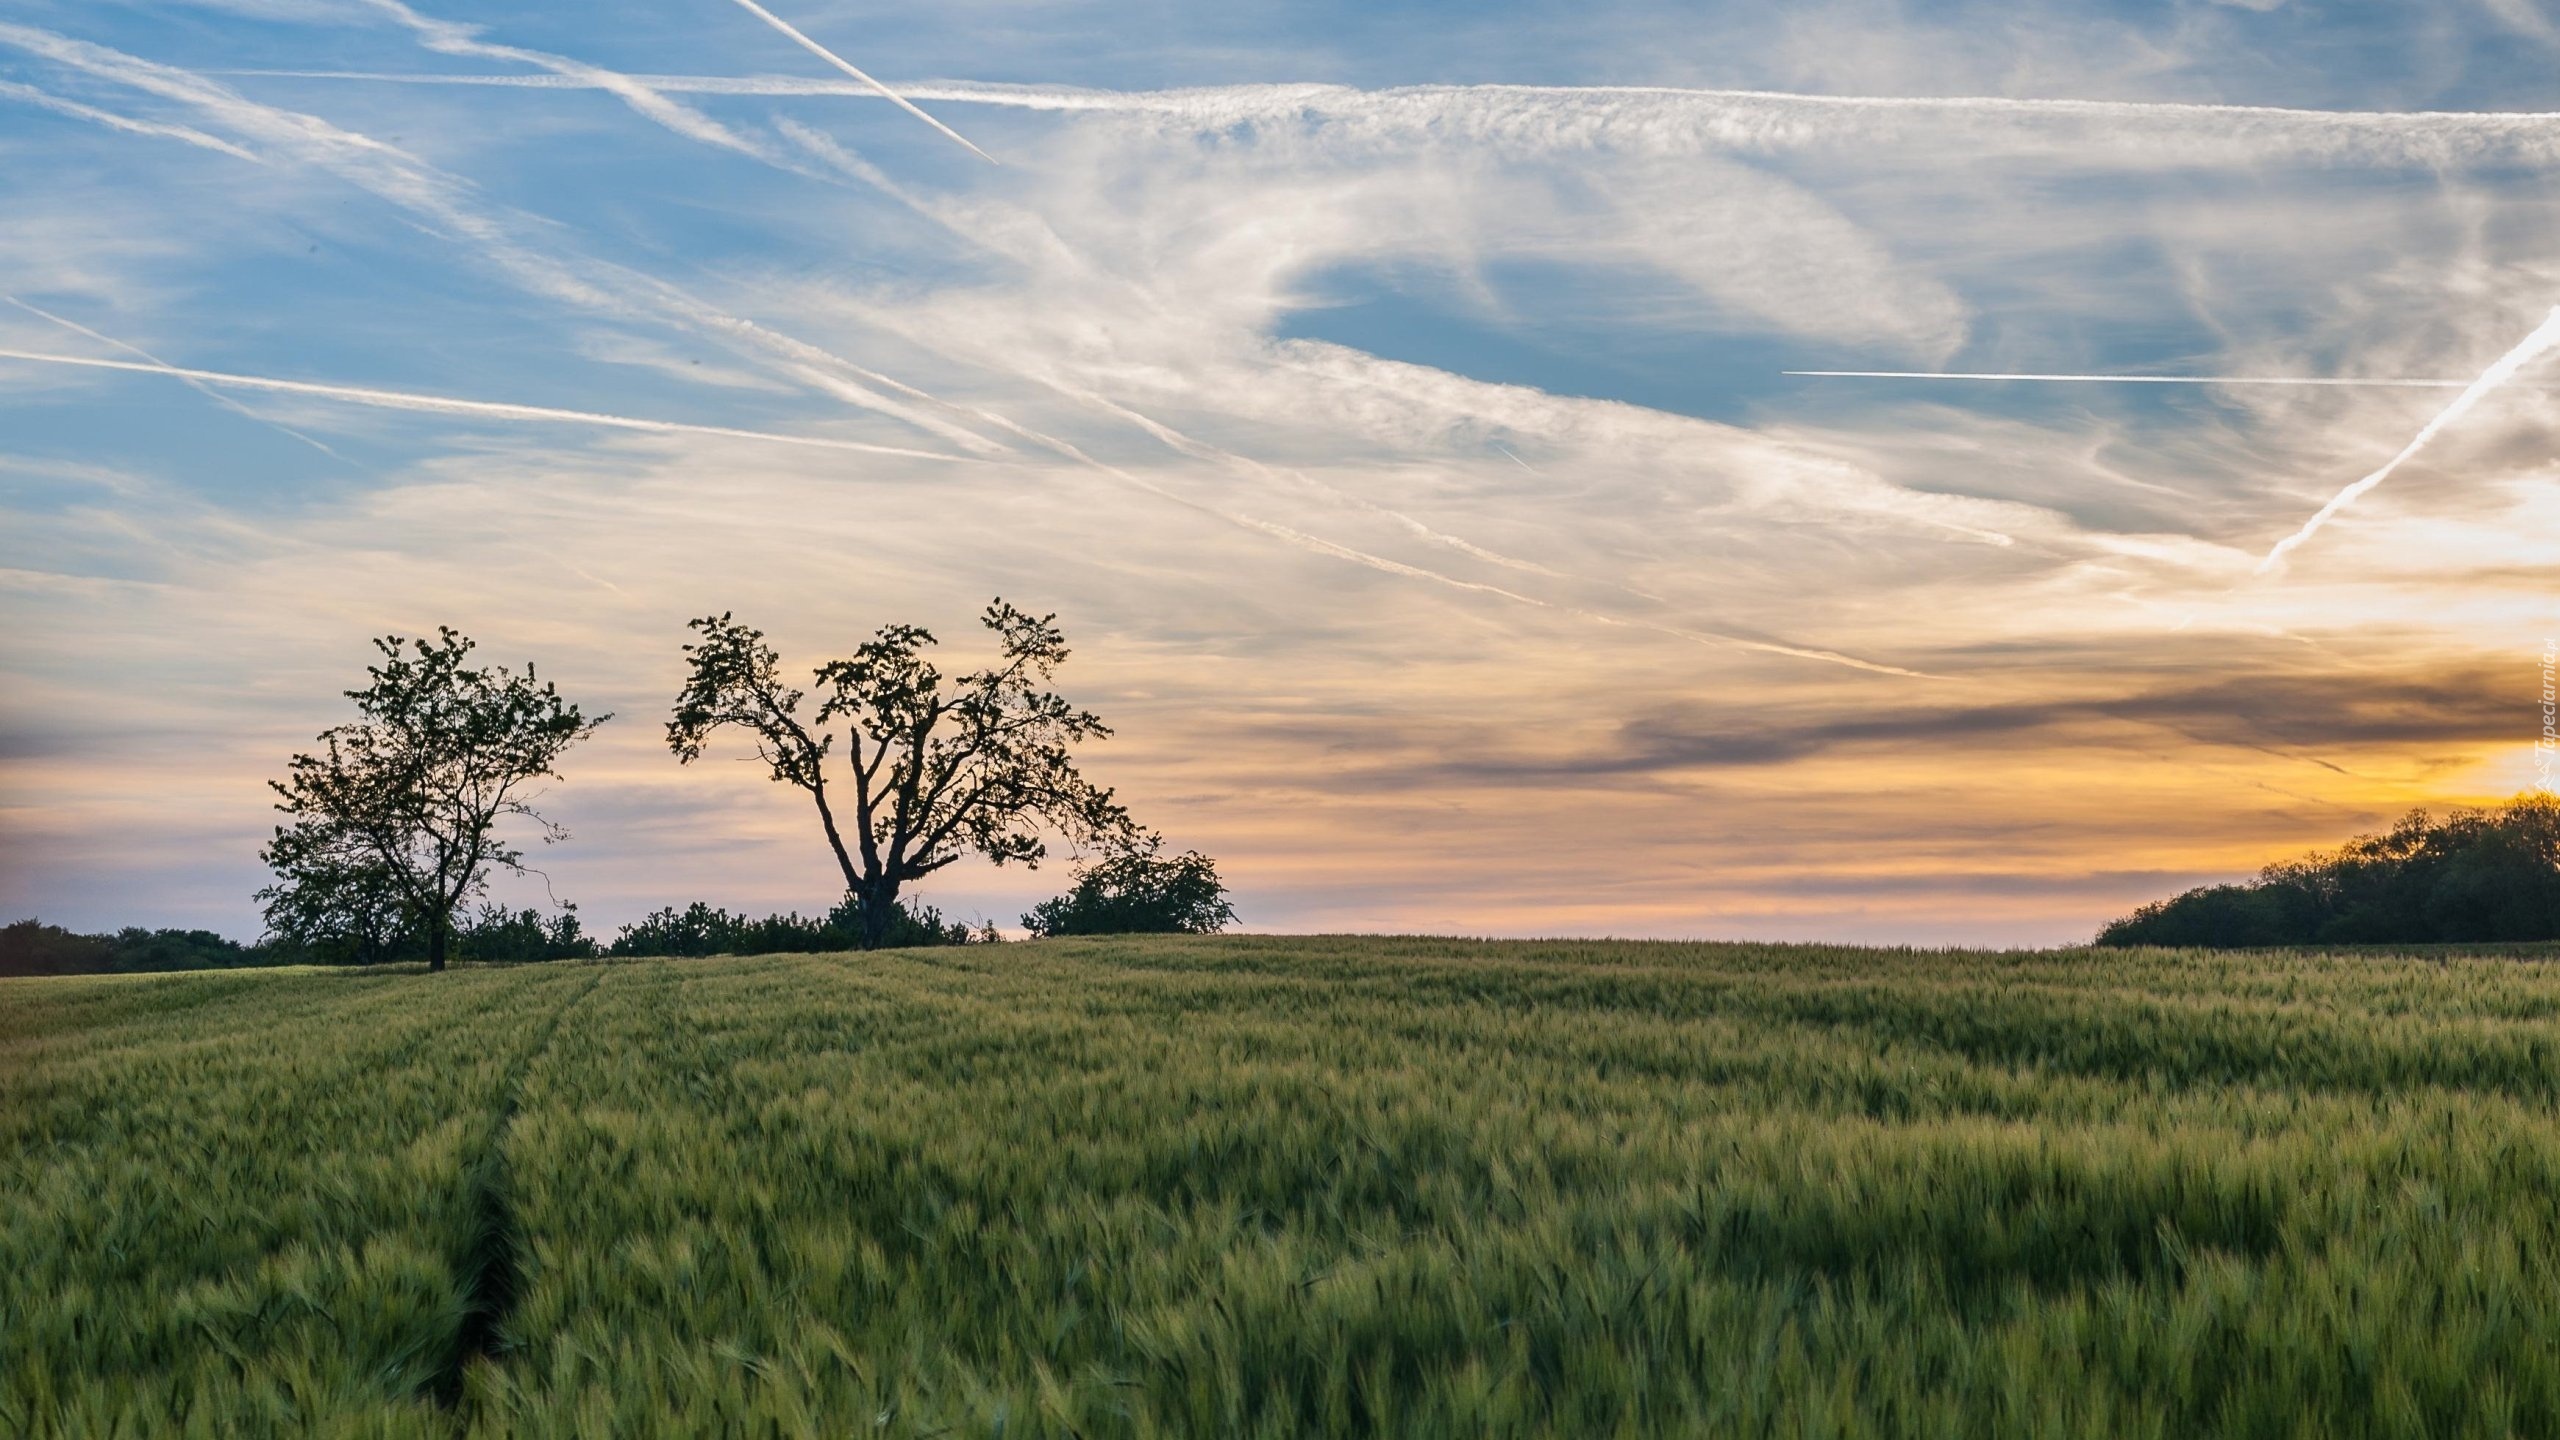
(2476, 875)
(1137, 891)
(395, 822)
(938, 767)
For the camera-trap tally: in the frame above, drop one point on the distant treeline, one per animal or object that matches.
(1126, 895)
(2474, 876)
(493, 935)
(31, 947)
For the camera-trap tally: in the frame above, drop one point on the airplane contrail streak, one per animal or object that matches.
(428, 191)
(838, 61)
(446, 37)
(2544, 339)
(2133, 379)
(448, 405)
(200, 387)
(1667, 120)
(47, 100)
(449, 206)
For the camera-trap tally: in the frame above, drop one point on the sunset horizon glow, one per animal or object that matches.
(1498, 475)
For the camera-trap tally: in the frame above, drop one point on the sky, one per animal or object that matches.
(1392, 402)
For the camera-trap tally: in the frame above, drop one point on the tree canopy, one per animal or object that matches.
(2474, 876)
(935, 767)
(394, 823)
(1139, 891)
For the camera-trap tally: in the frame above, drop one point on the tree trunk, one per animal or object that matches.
(879, 902)
(435, 942)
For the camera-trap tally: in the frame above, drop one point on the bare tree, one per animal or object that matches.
(981, 763)
(402, 807)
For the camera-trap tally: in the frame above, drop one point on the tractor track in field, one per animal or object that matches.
(491, 1266)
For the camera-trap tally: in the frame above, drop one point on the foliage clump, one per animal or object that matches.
(2476, 876)
(701, 930)
(1139, 891)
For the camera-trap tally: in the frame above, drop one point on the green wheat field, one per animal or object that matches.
(1280, 1187)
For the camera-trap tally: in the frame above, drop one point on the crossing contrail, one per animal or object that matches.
(448, 405)
(451, 207)
(2133, 379)
(838, 61)
(200, 387)
(2544, 339)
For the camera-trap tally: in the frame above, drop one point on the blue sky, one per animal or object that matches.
(1389, 399)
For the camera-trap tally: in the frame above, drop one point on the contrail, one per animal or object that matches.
(437, 197)
(201, 388)
(447, 37)
(1664, 120)
(448, 207)
(113, 121)
(2134, 379)
(838, 61)
(2542, 341)
(447, 405)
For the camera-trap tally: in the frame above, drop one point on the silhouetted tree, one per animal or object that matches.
(979, 763)
(1139, 891)
(2474, 876)
(395, 821)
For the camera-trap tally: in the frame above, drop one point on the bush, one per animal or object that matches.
(1137, 892)
(495, 934)
(700, 929)
(2476, 876)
